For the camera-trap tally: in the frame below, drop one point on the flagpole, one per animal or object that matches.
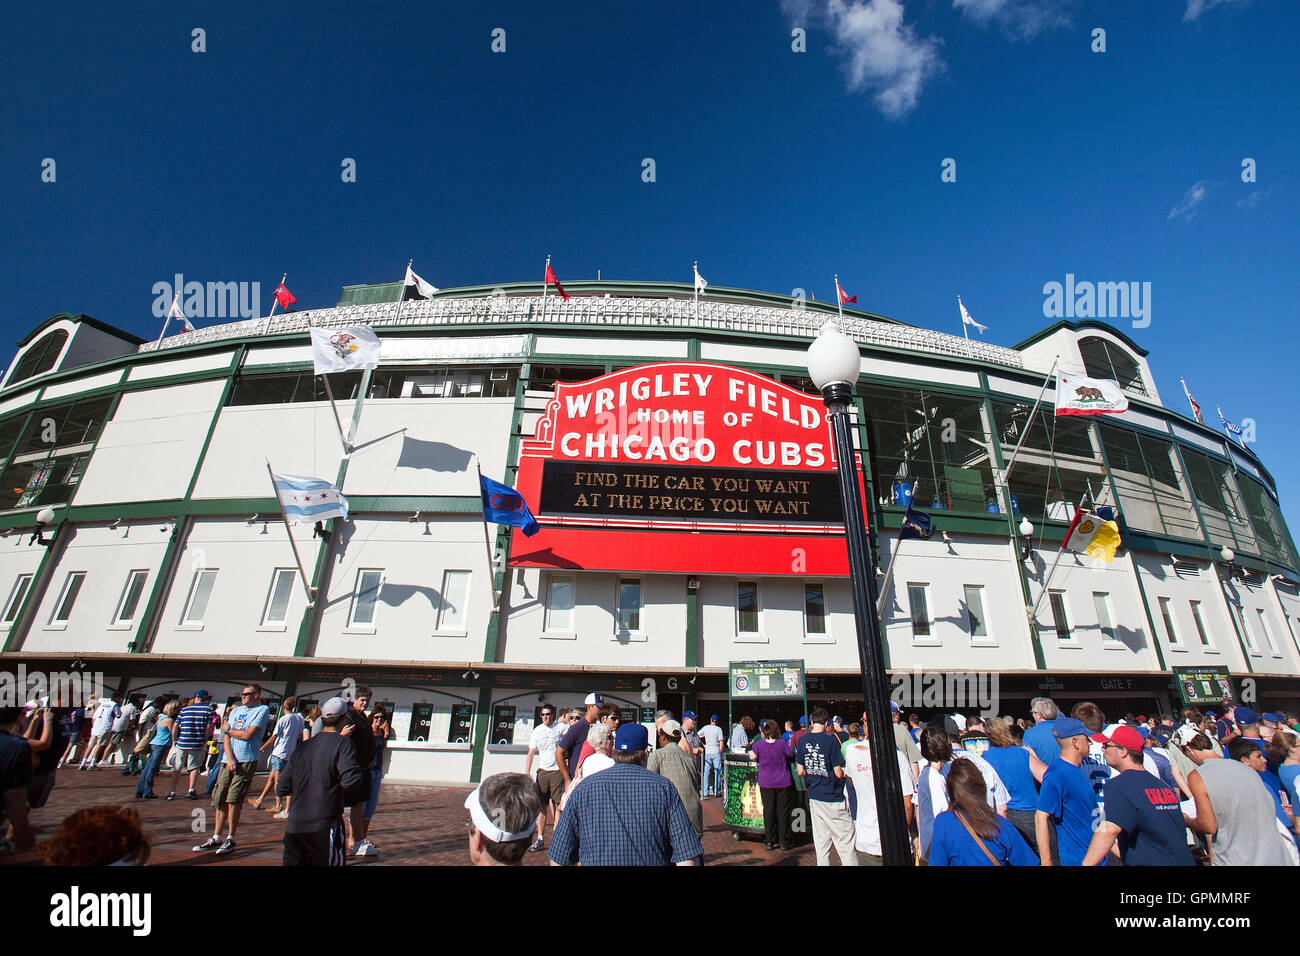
(487, 543)
(546, 284)
(695, 281)
(1033, 614)
(274, 302)
(839, 300)
(167, 321)
(347, 449)
(1028, 422)
(302, 571)
(898, 546)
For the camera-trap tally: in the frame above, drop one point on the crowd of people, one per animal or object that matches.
(1050, 789)
(321, 763)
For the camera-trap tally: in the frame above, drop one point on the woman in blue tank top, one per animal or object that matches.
(158, 747)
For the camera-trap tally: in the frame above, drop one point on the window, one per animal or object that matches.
(1104, 619)
(814, 609)
(1104, 359)
(1200, 624)
(455, 599)
(40, 357)
(16, 596)
(920, 609)
(200, 592)
(1152, 493)
(1167, 613)
(369, 581)
(1268, 633)
(276, 611)
(747, 607)
(559, 602)
(628, 616)
(975, 611)
(1057, 463)
(1059, 618)
(130, 600)
(67, 597)
(1245, 631)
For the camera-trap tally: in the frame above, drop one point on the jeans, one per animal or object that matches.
(776, 815)
(372, 801)
(713, 762)
(156, 754)
(213, 773)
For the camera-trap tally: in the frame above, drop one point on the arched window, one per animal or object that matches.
(40, 357)
(1105, 359)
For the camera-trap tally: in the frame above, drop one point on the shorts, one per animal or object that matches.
(121, 738)
(550, 786)
(323, 848)
(191, 758)
(38, 790)
(277, 763)
(232, 787)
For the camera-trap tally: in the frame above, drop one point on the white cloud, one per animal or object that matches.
(1255, 197)
(1186, 210)
(1196, 7)
(884, 55)
(1019, 19)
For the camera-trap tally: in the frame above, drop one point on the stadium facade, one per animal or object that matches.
(167, 566)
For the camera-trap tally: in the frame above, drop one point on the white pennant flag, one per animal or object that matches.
(341, 350)
(176, 312)
(425, 289)
(700, 284)
(967, 320)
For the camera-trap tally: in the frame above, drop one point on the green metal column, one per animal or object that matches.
(692, 656)
(503, 538)
(482, 726)
(36, 590)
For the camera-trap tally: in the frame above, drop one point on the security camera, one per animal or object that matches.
(116, 522)
(414, 518)
(946, 539)
(251, 521)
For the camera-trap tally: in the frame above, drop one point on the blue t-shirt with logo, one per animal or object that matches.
(1066, 796)
(819, 755)
(241, 718)
(1152, 820)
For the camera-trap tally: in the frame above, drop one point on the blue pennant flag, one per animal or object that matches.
(916, 524)
(504, 505)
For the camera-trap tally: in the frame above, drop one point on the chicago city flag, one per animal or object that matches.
(1089, 534)
(308, 499)
(340, 350)
(1077, 395)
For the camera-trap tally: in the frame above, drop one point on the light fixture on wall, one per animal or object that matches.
(1229, 557)
(252, 521)
(44, 518)
(321, 531)
(262, 667)
(116, 522)
(1026, 538)
(414, 518)
(946, 540)
(470, 674)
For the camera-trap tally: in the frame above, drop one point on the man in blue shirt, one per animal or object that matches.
(819, 758)
(1039, 738)
(625, 815)
(1142, 813)
(1067, 807)
(242, 738)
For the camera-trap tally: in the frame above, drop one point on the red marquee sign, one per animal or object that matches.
(683, 467)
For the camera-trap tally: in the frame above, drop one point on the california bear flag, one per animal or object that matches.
(1077, 395)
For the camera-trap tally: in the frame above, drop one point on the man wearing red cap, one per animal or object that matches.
(1142, 813)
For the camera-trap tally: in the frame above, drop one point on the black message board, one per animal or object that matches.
(421, 718)
(462, 720)
(583, 489)
(503, 724)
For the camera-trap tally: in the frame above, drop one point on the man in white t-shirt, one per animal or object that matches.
(101, 728)
(550, 782)
(857, 764)
(122, 737)
(713, 738)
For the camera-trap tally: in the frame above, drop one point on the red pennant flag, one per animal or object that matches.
(284, 296)
(551, 277)
(844, 296)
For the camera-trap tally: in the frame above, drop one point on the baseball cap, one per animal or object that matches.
(1211, 714)
(1064, 728)
(893, 706)
(632, 736)
(1143, 732)
(803, 720)
(200, 694)
(1126, 737)
(1183, 736)
(944, 723)
(836, 720)
(334, 707)
(1245, 715)
(960, 721)
(1273, 718)
(672, 728)
(713, 716)
(593, 700)
(689, 715)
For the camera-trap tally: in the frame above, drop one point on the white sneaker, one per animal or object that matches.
(366, 848)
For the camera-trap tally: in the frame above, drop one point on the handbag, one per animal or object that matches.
(971, 831)
(145, 741)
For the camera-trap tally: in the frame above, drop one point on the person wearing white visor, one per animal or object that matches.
(502, 819)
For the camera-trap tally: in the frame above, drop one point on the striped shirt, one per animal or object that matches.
(192, 725)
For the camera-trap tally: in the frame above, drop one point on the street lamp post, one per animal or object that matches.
(834, 364)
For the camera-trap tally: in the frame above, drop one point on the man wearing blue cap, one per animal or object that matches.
(625, 815)
(1067, 806)
(1248, 721)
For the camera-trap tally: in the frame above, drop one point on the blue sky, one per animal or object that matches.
(773, 168)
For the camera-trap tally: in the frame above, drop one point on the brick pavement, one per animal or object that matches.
(414, 825)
